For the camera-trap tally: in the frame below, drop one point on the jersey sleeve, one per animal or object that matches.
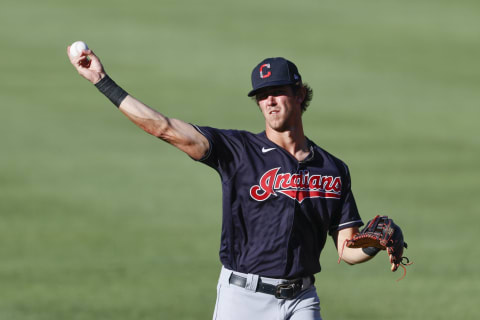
(348, 215)
(226, 149)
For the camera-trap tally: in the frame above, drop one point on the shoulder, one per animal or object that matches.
(213, 134)
(329, 159)
(222, 141)
(227, 132)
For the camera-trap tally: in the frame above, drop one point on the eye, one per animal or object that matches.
(261, 96)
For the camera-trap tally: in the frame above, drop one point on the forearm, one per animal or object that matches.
(351, 255)
(176, 132)
(354, 256)
(148, 119)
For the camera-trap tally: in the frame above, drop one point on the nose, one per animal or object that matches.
(271, 100)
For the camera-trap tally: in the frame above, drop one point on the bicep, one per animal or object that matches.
(176, 132)
(185, 137)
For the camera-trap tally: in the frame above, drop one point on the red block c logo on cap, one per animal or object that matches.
(266, 75)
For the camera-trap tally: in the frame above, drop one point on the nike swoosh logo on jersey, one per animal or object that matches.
(265, 150)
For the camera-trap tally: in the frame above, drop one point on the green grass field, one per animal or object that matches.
(100, 221)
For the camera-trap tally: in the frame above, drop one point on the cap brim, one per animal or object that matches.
(270, 84)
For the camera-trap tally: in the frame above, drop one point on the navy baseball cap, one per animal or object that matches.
(274, 72)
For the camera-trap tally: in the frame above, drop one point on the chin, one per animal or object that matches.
(277, 126)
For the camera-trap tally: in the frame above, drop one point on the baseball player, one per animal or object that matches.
(282, 193)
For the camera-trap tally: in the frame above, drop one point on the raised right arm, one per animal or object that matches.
(176, 132)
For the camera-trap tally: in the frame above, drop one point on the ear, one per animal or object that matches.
(301, 95)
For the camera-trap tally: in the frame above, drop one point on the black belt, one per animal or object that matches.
(287, 290)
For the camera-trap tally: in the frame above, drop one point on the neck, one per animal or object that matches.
(293, 141)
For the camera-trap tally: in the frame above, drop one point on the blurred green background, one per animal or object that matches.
(100, 221)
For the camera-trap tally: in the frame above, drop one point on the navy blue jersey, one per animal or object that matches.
(277, 211)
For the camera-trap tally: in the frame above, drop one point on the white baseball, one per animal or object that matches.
(77, 47)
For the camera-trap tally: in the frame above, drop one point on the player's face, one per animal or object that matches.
(280, 107)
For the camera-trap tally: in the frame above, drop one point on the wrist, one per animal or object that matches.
(100, 77)
(111, 90)
(371, 251)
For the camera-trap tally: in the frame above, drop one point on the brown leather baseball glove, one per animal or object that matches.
(382, 233)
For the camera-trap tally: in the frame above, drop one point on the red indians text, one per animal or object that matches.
(298, 186)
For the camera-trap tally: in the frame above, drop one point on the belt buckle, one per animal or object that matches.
(285, 291)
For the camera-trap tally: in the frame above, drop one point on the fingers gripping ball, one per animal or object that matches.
(382, 233)
(77, 47)
(76, 50)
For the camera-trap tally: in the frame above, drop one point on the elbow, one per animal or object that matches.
(159, 133)
(159, 130)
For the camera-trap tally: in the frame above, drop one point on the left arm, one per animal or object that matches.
(350, 255)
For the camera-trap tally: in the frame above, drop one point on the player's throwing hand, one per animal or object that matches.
(88, 65)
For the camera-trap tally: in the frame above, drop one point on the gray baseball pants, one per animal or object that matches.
(237, 303)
